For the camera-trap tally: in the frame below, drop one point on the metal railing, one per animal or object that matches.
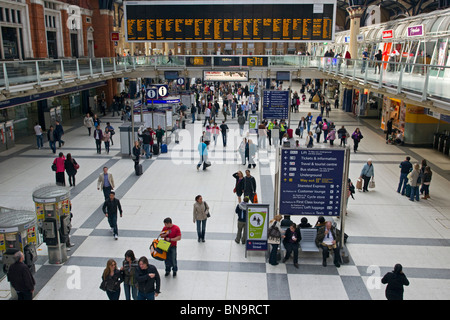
(424, 81)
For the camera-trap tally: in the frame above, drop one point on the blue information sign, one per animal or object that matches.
(311, 181)
(275, 104)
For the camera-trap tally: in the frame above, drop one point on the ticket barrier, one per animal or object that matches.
(53, 217)
(18, 233)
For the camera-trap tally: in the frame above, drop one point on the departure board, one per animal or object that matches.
(230, 20)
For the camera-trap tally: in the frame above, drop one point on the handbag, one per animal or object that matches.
(103, 285)
(208, 215)
(372, 183)
(54, 166)
(255, 198)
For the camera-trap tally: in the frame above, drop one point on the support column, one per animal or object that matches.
(355, 14)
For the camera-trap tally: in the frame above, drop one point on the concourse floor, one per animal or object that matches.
(384, 227)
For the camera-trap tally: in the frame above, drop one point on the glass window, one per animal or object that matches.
(13, 16)
(436, 24)
(6, 14)
(19, 21)
(1, 14)
(10, 43)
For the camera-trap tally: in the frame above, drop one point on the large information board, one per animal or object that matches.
(230, 20)
(311, 181)
(275, 104)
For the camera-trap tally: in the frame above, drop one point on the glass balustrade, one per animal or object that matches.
(424, 80)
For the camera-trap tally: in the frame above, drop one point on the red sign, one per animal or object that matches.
(115, 36)
(387, 34)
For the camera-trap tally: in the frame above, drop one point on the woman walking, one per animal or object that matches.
(107, 139)
(301, 127)
(71, 168)
(426, 182)
(88, 123)
(274, 238)
(128, 270)
(148, 280)
(60, 168)
(239, 187)
(356, 136)
(112, 277)
(201, 212)
(309, 140)
(395, 281)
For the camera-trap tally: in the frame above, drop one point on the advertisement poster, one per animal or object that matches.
(40, 213)
(257, 219)
(253, 123)
(225, 75)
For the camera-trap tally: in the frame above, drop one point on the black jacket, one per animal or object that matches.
(20, 277)
(110, 207)
(288, 236)
(145, 283)
(113, 282)
(406, 167)
(249, 186)
(395, 283)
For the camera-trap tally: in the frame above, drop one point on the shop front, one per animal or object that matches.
(415, 122)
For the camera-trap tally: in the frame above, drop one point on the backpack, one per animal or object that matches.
(274, 232)
(325, 127)
(318, 129)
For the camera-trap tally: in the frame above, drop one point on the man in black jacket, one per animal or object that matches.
(405, 168)
(249, 186)
(148, 280)
(20, 277)
(110, 210)
(291, 243)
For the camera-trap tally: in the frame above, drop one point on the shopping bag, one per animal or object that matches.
(359, 184)
(372, 183)
(163, 245)
(156, 252)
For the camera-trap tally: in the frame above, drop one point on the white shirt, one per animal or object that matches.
(208, 112)
(38, 130)
(328, 238)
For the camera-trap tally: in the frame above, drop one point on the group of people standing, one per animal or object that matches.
(414, 179)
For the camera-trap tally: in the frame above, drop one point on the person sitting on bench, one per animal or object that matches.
(328, 238)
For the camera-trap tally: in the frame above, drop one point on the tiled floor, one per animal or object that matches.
(384, 228)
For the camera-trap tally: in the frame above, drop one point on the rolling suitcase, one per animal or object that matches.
(313, 105)
(164, 148)
(138, 169)
(155, 149)
(408, 190)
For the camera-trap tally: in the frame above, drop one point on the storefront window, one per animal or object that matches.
(10, 43)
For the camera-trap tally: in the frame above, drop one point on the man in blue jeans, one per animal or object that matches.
(406, 168)
(171, 233)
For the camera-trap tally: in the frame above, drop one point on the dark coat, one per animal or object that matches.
(321, 235)
(288, 235)
(395, 283)
(20, 277)
(145, 283)
(113, 282)
(70, 167)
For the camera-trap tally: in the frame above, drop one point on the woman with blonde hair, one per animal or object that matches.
(111, 280)
(274, 237)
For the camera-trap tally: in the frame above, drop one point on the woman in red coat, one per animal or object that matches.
(60, 168)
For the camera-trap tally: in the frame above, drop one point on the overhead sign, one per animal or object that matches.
(230, 20)
(387, 34)
(275, 104)
(415, 31)
(311, 181)
(257, 222)
(157, 91)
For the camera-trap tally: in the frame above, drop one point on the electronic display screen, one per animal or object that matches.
(229, 21)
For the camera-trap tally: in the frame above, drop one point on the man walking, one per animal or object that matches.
(159, 136)
(405, 168)
(98, 136)
(106, 182)
(109, 208)
(224, 130)
(171, 233)
(249, 186)
(59, 133)
(21, 278)
(39, 139)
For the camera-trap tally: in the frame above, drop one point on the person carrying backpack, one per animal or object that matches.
(274, 238)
